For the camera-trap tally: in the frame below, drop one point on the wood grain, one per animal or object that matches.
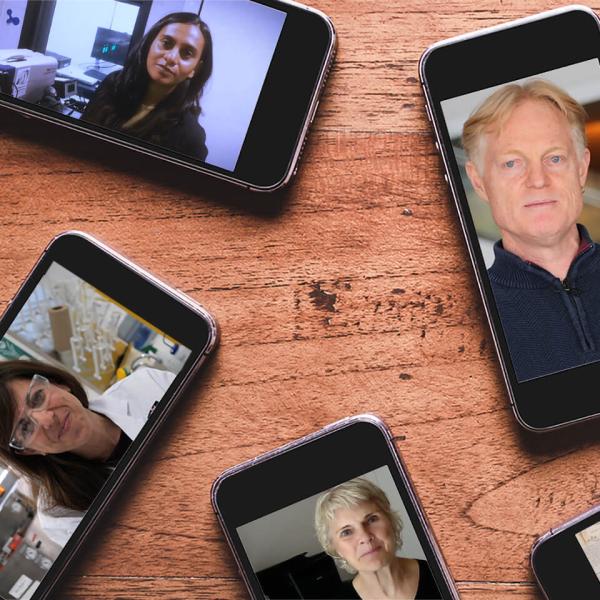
(350, 292)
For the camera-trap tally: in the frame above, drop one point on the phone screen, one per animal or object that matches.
(528, 154)
(187, 82)
(79, 376)
(314, 548)
(589, 540)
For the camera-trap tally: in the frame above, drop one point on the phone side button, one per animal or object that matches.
(314, 112)
(428, 112)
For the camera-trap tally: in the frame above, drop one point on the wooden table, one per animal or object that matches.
(351, 292)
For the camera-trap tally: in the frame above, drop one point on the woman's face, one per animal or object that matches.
(175, 54)
(62, 421)
(363, 536)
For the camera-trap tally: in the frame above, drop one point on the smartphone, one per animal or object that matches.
(323, 513)
(94, 352)
(228, 89)
(515, 120)
(566, 560)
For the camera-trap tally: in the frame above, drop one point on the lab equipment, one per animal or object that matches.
(26, 74)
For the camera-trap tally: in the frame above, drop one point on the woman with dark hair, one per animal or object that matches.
(156, 96)
(65, 443)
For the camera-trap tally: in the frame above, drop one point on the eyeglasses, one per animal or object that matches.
(26, 427)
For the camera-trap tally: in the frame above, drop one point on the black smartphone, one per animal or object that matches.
(329, 514)
(226, 88)
(94, 352)
(566, 560)
(516, 119)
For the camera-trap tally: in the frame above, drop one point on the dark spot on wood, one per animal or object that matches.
(482, 346)
(407, 212)
(322, 299)
(439, 309)
(398, 291)
(461, 349)
(408, 105)
(411, 80)
(422, 333)
(399, 438)
(377, 306)
(346, 284)
(405, 376)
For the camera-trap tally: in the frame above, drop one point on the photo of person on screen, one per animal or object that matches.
(156, 96)
(528, 160)
(64, 443)
(356, 526)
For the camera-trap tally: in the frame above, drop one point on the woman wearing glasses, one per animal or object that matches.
(65, 443)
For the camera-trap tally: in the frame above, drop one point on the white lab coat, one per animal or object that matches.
(127, 404)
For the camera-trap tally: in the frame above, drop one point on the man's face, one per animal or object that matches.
(532, 175)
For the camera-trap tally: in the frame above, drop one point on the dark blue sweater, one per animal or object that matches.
(550, 325)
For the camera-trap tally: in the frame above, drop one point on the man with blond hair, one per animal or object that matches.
(528, 160)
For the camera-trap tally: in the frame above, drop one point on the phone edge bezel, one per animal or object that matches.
(553, 532)
(48, 586)
(164, 155)
(311, 437)
(457, 202)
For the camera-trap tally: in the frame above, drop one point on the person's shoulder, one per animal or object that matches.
(143, 375)
(109, 83)
(191, 135)
(190, 124)
(140, 382)
(160, 377)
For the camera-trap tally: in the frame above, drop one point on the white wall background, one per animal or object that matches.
(582, 81)
(9, 32)
(161, 8)
(290, 531)
(245, 35)
(74, 26)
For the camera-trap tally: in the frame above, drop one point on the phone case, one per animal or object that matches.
(327, 430)
(554, 532)
(68, 553)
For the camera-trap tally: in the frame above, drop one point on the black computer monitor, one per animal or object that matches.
(111, 46)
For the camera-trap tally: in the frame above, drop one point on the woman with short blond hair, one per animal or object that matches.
(356, 526)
